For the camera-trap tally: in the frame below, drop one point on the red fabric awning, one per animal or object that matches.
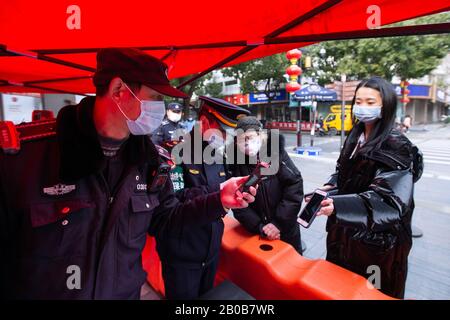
(192, 36)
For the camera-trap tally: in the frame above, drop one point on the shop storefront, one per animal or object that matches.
(427, 104)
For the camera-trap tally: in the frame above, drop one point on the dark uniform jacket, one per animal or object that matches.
(374, 206)
(166, 132)
(57, 211)
(196, 245)
(279, 197)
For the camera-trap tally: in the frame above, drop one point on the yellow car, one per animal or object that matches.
(332, 123)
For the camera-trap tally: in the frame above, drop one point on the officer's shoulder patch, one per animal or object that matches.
(193, 171)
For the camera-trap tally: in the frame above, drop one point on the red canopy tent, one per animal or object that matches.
(39, 52)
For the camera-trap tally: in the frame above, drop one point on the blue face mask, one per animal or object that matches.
(367, 114)
(151, 116)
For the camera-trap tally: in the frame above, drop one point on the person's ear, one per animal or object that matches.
(116, 89)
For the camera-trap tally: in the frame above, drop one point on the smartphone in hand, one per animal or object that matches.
(255, 177)
(311, 209)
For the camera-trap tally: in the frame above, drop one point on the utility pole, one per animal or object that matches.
(343, 80)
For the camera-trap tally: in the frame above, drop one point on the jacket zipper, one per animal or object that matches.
(390, 157)
(393, 159)
(108, 204)
(265, 219)
(110, 197)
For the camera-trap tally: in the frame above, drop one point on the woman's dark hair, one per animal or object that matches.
(388, 111)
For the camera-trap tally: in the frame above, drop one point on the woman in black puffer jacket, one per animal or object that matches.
(273, 215)
(369, 218)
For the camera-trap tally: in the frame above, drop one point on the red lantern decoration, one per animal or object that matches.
(404, 84)
(291, 87)
(294, 54)
(294, 70)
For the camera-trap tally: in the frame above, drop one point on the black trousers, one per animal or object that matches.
(182, 282)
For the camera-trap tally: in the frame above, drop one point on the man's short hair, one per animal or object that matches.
(101, 90)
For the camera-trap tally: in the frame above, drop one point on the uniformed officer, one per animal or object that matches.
(190, 257)
(189, 123)
(76, 204)
(167, 131)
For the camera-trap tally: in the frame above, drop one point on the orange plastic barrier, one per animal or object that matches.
(272, 270)
(152, 265)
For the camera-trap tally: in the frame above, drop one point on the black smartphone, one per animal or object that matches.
(160, 177)
(310, 211)
(255, 177)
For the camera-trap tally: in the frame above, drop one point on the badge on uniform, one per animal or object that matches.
(222, 174)
(59, 189)
(176, 175)
(193, 171)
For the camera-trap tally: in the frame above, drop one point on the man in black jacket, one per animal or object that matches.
(76, 204)
(273, 215)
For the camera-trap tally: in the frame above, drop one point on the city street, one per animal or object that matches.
(429, 263)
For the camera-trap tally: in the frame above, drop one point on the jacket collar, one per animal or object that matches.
(79, 148)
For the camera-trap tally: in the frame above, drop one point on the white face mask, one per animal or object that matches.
(251, 147)
(151, 116)
(173, 116)
(367, 114)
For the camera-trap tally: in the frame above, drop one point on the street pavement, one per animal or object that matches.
(429, 260)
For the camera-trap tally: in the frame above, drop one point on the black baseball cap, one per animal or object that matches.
(135, 66)
(226, 114)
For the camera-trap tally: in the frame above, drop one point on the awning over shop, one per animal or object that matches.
(315, 92)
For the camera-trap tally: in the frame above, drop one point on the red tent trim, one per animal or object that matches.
(437, 28)
(67, 69)
(357, 34)
(292, 24)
